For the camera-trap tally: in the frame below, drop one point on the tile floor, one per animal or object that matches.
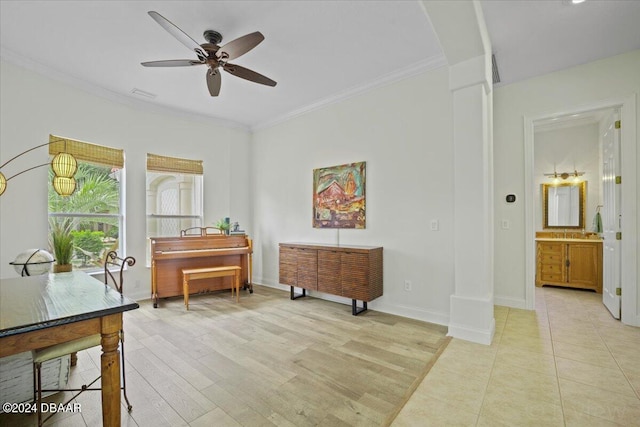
(568, 363)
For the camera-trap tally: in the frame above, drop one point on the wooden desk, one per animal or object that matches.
(39, 311)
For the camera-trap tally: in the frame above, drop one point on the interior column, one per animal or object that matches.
(463, 36)
(471, 315)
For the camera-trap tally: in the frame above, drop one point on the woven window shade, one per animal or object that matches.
(156, 163)
(87, 152)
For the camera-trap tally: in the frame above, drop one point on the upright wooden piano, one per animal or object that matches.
(169, 255)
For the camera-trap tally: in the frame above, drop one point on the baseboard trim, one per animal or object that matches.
(474, 335)
(435, 317)
(438, 318)
(510, 302)
(472, 319)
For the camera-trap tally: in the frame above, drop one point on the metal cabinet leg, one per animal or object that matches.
(296, 296)
(354, 308)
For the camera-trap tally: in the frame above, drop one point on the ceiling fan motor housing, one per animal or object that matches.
(212, 36)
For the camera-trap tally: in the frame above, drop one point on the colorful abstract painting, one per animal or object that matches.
(339, 196)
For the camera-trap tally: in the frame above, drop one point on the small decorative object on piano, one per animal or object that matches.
(235, 229)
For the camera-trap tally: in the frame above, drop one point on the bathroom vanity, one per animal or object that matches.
(574, 263)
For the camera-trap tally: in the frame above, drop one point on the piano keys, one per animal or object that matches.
(169, 255)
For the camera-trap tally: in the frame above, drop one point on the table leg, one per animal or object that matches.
(110, 367)
(237, 280)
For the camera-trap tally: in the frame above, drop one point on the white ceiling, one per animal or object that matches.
(317, 51)
(531, 38)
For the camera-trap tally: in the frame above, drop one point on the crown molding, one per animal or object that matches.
(82, 84)
(78, 82)
(409, 71)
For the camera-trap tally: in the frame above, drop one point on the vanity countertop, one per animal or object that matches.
(569, 239)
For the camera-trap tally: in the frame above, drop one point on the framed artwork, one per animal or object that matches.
(339, 196)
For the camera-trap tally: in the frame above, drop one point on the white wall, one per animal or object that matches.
(562, 91)
(404, 133)
(33, 106)
(569, 149)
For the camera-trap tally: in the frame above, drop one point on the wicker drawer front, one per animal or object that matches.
(329, 272)
(288, 266)
(307, 268)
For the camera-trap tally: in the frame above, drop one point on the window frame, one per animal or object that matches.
(159, 171)
(91, 154)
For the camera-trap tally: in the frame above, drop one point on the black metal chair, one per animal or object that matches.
(71, 347)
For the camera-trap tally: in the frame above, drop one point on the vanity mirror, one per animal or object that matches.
(563, 205)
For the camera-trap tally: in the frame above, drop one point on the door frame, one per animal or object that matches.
(629, 164)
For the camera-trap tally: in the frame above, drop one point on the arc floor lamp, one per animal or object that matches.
(64, 167)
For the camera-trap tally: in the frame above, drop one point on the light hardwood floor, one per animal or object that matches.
(569, 363)
(262, 362)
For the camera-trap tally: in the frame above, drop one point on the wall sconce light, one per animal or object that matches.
(564, 175)
(64, 167)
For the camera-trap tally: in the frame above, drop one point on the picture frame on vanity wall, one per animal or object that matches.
(339, 196)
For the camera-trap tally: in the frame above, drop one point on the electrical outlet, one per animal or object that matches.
(435, 225)
(407, 285)
(504, 224)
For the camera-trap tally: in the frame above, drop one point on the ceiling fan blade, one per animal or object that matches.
(247, 74)
(239, 46)
(214, 81)
(172, 63)
(177, 33)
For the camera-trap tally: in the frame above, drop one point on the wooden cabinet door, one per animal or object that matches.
(288, 266)
(329, 272)
(583, 265)
(354, 271)
(307, 268)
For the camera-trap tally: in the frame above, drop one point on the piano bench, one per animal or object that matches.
(208, 273)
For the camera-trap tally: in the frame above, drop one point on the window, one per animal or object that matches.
(174, 196)
(93, 214)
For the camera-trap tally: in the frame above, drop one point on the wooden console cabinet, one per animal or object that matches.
(575, 263)
(349, 271)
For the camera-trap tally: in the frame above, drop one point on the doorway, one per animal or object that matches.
(628, 270)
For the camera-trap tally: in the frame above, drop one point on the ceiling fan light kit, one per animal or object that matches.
(212, 55)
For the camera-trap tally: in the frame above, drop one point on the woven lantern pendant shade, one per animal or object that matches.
(64, 165)
(64, 186)
(3, 183)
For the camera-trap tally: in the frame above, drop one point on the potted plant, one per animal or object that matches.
(62, 244)
(223, 225)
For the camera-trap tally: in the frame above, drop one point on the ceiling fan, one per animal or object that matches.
(212, 55)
